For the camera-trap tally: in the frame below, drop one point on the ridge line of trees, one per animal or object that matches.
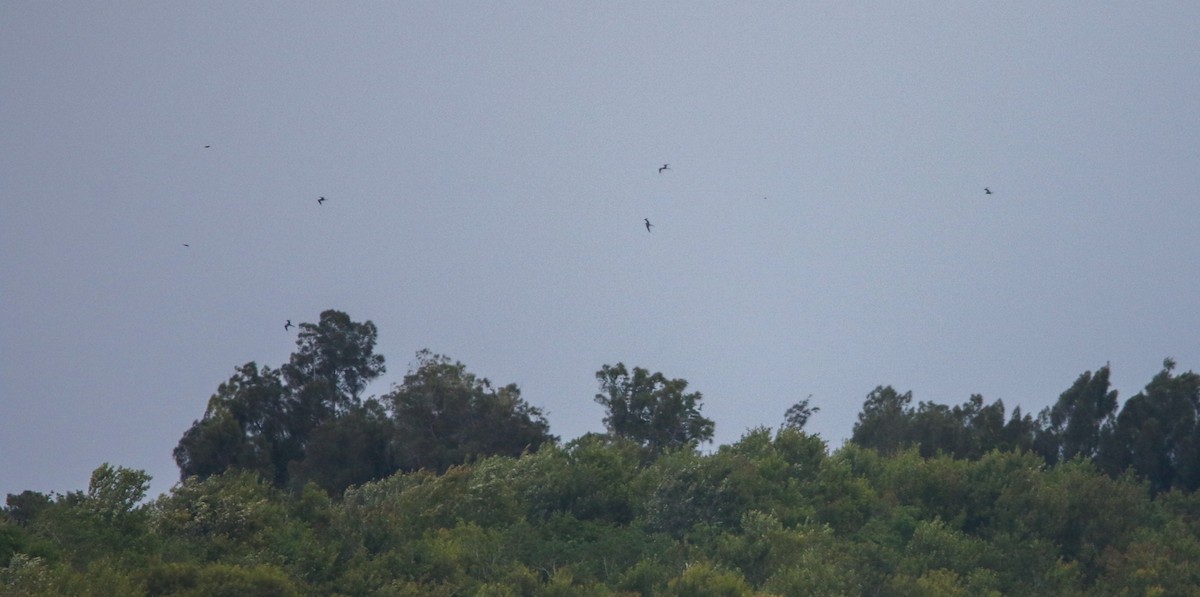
(1155, 436)
(307, 421)
(295, 484)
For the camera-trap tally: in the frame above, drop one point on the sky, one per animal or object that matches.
(822, 230)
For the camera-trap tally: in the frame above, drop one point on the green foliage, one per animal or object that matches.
(444, 416)
(1157, 433)
(80, 527)
(448, 486)
(798, 414)
(338, 354)
(113, 493)
(889, 424)
(218, 580)
(591, 478)
(684, 495)
(646, 577)
(246, 426)
(226, 517)
(24, 507)
(1159, 561)
(305, 422)
(884, 421)
(811, 560)
(650, 409)
(350, 449)
(844, 497)
(771, 514)
(934, 546)
(758, 473)
(705, 580)
(25, 575)
(1073, 426)
(12, 541)
(267, 420)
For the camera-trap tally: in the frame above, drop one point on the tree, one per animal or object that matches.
(650, 409)
(1019, 433)
(22, 508)
(114, 493)
(444, 415)
(338, 352)
(350, 449)
(248, 425)
(888, 424)
(884, 421)
(1072, 427)
(263, 420)
(231, 516)
(934, 428)
(84, 526)
(590, 478)
(1157, 433)
(970, 430)
(798, 414)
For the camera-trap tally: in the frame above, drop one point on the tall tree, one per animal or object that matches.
(888, 424)
(885, 421)
(656, 412)
(969, 430)
(338, 352)
(247, 425)
(935, 428)
(445, 415)
(1072, 427)
(262, 420)
(1019, 432)
(1157, 433)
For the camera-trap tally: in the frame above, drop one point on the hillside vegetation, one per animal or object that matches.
(293, 484)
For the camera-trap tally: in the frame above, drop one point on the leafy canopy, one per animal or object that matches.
(656, 412)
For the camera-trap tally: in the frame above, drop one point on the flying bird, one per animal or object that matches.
(287, 326)
(664, 167)
(320, 200)
(186, 245)
(987, 191)
(648, 224)
(207, 146)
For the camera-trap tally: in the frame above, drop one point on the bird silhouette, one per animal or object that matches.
(987, 191)
(186, 245)
(207, 146)
(287, 326)
(664, 167)
(648, 224)
(320, 201)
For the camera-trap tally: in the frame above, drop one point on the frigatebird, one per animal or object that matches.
(987, 191)
(648, 224)
(320, 200)
(287, 326)
(664, 167)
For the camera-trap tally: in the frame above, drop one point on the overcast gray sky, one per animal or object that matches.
(822, 230)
